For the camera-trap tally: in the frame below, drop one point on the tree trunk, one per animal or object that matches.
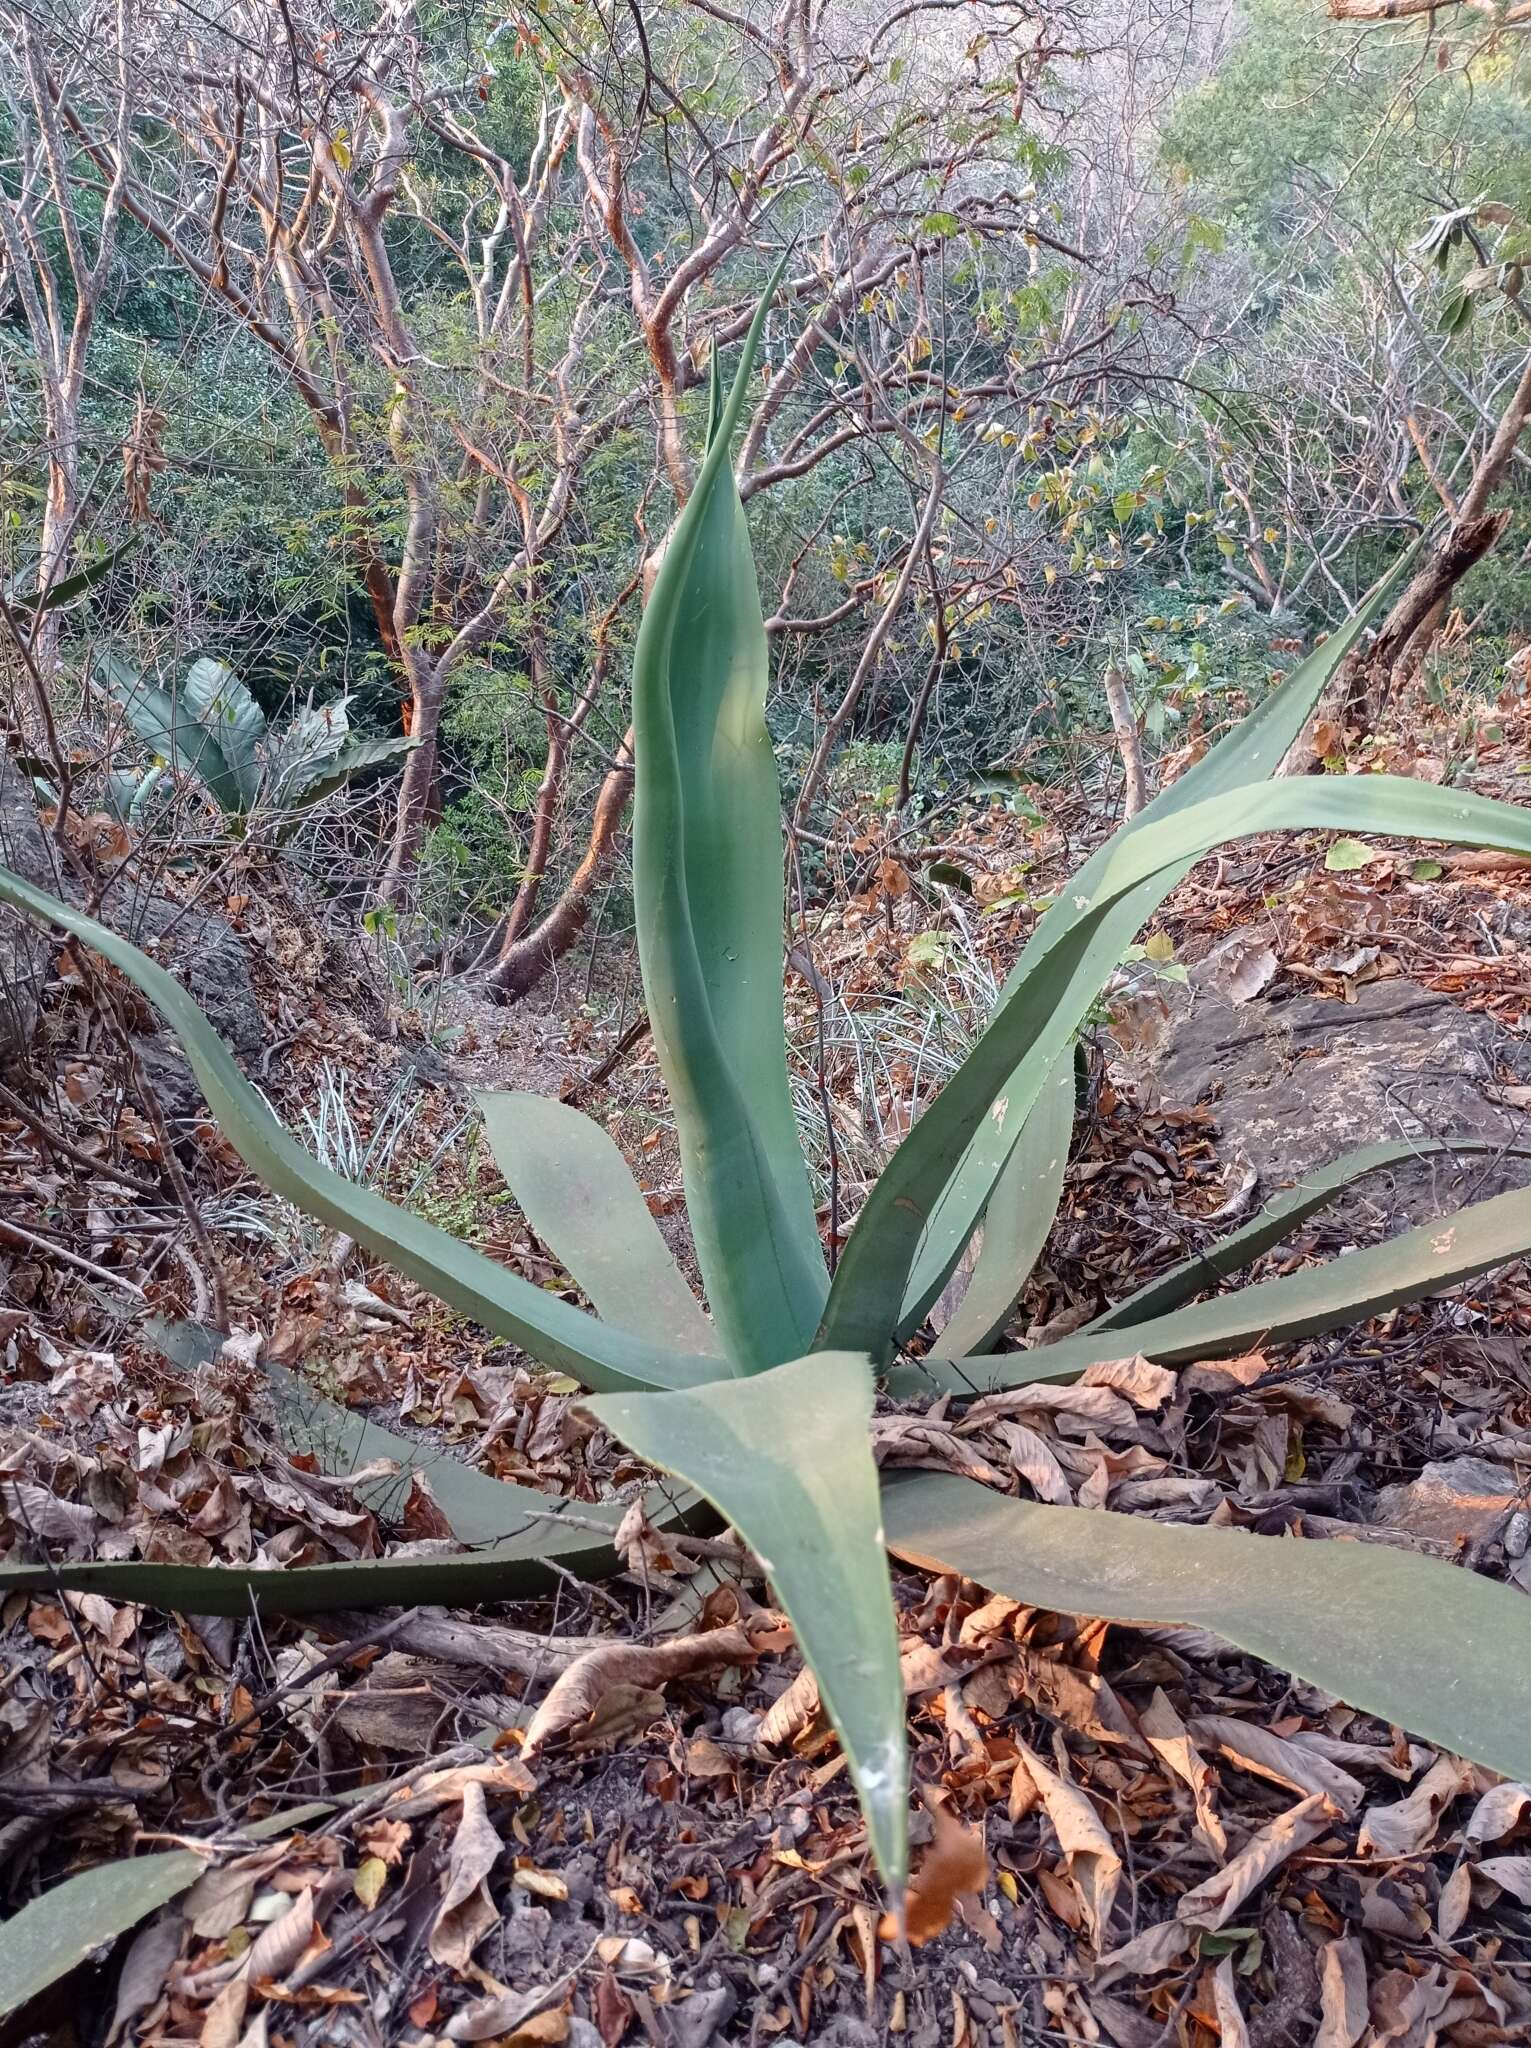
(524, 961)
(1370, 675)
(417, 787)
(1128, 740)
(1422, 604)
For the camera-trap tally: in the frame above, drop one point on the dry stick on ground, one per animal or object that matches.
(488, 1646)
(57, 1251)
(61, 1145)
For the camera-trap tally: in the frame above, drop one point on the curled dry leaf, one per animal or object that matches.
(45, 1518)
(279, 1948)
(1408, 1825)
(220, 1898)
(915, 1442)
(467, 1912)
(1080, 1700)
(1093, 1863)
(641, 1547)
(1232, 2030)
(1512, 1874)
(924, 1667)
(223, 2022)
(578, 1693)
(1497, 1812)
(1032, 1457)
(1343, 2015)
(1241, 968)
(503, 2014)
(1074, 1410)
(1145, 1384)
(954, 1867)
(1270, 1756)
(1211, 1904)
(505, 1778)
(1176, 1749)
(1451, 1907)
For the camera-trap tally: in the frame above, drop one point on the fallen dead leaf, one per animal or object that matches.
(953, 1868)
(1145, 1384)
(1211, 1904)
(1093, 1863)
(1512, 1874)
(1225, 2003)
(1497, 1812)
(1256, 1749)
(1173, 1743)
(577, 1694)
(467, 1912)
(1408, 1825)
(1343, 2015)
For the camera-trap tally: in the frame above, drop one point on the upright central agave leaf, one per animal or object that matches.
(708, 873)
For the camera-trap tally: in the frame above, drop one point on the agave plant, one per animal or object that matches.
(210, 726)
(759, 1403)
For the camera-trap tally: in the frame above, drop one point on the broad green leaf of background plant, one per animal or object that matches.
(1345, 1290)
(66, 589)
(321, 779)
(708, 878)
(1037, 1020)
(54, 1934)
(1441, 1651)
(1017, 1222)
(785, 1455)
(223, 707)
(1249, 753)
(552, 1330)
(167, 728)
(576, 1192)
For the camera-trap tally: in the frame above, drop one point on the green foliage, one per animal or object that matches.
(775, 1436)
(209, 725)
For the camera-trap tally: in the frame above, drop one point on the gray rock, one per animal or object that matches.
(1454, 1500)
(694, 2022)
(845, 2030)
(1294, 1084)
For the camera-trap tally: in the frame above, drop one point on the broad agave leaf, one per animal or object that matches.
(54, 1934)
(578, 1195)
(785, 1456)
(165, 724)
(1017, 1222)
(1039, 1018)
(521, 1547)
(708, 877)
(223, 707)
(1279, 1218)
(554, 1331)
(1345, 1290)
(1441, 1651)
(1249, 753)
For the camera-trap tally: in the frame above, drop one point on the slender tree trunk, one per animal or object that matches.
(1128, 740)
(524, 961)
(417, 785)
(1368, 677)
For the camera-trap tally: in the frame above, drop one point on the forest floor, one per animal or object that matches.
(682, 1861)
